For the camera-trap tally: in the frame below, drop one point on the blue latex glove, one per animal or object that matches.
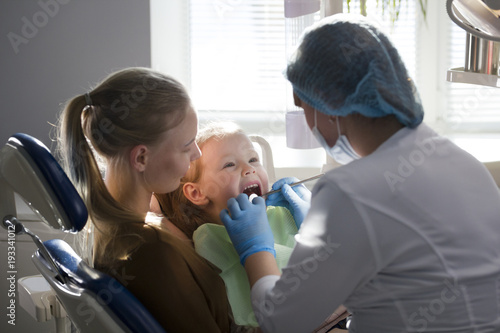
(296, 199)
(247, 225)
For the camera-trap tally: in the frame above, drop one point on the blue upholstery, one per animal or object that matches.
(74, 282)
(59, 182)
(104, 288)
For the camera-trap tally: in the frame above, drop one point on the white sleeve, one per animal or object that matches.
(332, 258)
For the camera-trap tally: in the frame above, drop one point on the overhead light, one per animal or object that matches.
(480, 19)
(476, 17)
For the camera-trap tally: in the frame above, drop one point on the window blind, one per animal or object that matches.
(237, 55)
(401, 31)
(238, 51)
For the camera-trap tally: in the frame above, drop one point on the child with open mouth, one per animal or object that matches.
(229, 166)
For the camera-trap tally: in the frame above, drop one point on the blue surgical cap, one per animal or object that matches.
(344, 64)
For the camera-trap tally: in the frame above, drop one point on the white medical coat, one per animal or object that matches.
(407, 238)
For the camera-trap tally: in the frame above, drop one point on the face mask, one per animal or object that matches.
(341, 151)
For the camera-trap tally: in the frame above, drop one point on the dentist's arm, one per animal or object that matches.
(259, 265)
(247, 225)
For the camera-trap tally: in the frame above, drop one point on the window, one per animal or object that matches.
(231, 54)
(237, 55)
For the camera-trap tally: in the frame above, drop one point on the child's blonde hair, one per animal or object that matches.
(179, 210)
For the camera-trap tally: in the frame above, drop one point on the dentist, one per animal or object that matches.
(406, 235)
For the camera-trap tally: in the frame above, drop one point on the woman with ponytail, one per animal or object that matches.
(131, 136)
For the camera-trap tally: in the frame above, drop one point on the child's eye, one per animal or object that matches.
(228, 165)
(253, 160)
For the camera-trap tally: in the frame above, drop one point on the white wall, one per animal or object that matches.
(51, 50)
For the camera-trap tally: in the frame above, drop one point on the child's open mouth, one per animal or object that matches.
(253, 189)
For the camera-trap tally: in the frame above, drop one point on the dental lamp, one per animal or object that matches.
(480, 19)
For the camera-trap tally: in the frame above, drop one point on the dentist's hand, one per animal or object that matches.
(247, 226)
(296, 199)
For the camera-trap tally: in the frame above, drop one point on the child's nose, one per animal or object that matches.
(248, 170)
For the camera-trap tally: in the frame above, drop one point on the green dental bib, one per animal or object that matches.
(212, 242)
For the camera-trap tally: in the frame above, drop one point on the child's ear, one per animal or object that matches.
(193, 193)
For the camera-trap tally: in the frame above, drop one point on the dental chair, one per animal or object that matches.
(267, 156)
(494, 169)
(93, 301)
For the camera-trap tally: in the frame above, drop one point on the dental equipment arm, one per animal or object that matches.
(12, 223)
(28, 168)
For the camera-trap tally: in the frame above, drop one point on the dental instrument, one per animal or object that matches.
(252, 196)
(294, 184)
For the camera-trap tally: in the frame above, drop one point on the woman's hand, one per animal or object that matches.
(247, 225)
(296, 199)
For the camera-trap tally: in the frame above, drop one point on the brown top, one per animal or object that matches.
(182, 290)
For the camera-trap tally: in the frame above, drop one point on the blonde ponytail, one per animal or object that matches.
(133, 106)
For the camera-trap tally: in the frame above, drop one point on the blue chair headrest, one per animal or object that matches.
(61, 186)
(122, 303)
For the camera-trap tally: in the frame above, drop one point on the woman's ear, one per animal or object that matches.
(296, 100)
(193, 193)
(139, 157)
